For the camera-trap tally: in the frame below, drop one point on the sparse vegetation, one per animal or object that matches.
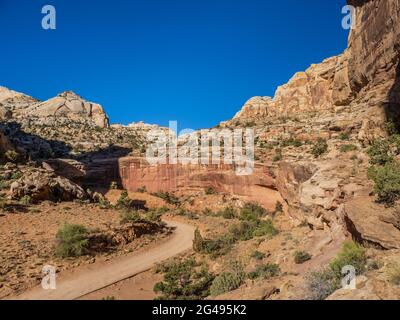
(301, 257)
(72, 241)
(128, 216)
(320, 148)
(380, 152)
(352, 254)
(184, 280)
(12, 156)
(321, 284)
(252, 212)
(228, 213)
(228, 281)
(210, 191)
(348, 148)
(258, 255)
(167, 197)
(265, 271)
(387, 182)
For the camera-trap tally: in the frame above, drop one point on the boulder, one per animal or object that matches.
(370, 222)
(42, 185)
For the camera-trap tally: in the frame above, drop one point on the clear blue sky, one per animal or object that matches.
(194, 61)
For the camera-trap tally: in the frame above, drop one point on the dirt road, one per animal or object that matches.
(83, 282)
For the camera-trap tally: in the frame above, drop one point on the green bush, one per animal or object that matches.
(252, 212)
(380, 152)
(25, 200)
(265, 271)
(387, 182)
(320, 148)
(184, 280)
(72, 241)
(228, 213)
(258, 255)
(167, 197)
(301, 257)
(348, 147)
(128, 216)
(12, 156)
(198, 241)
(142, 189)
(344, 136)
(323, 283)
(225, 282)
(352, 254)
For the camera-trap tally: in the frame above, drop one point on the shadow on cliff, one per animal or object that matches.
(392, 107)
(31, 146)
(100, 167)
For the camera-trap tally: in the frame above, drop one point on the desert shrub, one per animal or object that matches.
(72, 241)
(210, 191)
(228, 281)
(184, 280)
(291, 142)
(301, 257)
(347, 148)
(228, 213)
(320, 148)
(198, 241)
(257, 255)
(247, 230)
(104, 203)
(25, 200)
(352, 254)
(265, 228)
(154, 215)
(320, 284)
(265, 271)
(123, 201)
(16, 175)
(344, 136)
(128, 216)
(12, 156)
(167, 197)
(380, 153)
(252, 212)
(387, 182)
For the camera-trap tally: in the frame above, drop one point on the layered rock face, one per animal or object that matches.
(319, 89)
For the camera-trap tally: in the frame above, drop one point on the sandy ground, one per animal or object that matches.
(100, 275)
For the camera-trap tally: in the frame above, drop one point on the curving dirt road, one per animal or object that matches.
(83, 282)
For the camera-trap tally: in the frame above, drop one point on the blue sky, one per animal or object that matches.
(194, 61)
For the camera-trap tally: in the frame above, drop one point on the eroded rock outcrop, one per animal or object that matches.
(71, 106)
(42, 185)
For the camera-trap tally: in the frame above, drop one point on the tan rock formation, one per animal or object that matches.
(368, 222)
(72, 106)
